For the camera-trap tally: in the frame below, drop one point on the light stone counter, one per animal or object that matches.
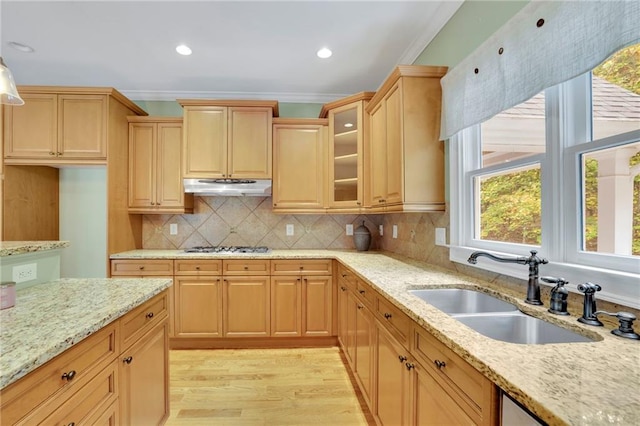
(593, 383)
(9, 248)
(51, 317)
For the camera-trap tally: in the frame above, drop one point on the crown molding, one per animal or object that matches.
(440, 17)
(142, 95)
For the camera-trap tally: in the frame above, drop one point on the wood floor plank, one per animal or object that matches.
(262, 387)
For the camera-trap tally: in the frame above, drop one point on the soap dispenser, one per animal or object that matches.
(559, 294)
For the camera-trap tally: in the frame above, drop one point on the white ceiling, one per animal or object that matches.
(259, 50)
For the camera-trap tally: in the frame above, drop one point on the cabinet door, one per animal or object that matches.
(365, 349)
(317, 295)
(142, 177)
(82, 126)
(352, 309)
(198, 303)
(299, 166)
(286, 306)
(249, 144)
(31, 130)
(393, 380)
(169, 190)
(246, 302)
(394, 153)
(433, 406)
(205, 142)
(345, 156)
(343, 304)
(144, 398)
(378, 162)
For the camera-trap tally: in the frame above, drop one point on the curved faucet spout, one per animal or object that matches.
(533, 287)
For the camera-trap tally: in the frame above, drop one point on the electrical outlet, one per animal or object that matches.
(394, 231)
(381, 230)
(173, 229)
(24, 273)
(349, 229)
(441, 236)
(289, 229)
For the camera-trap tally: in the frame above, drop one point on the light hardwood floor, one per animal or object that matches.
(307, 386)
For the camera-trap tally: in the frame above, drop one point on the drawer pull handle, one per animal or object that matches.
(197, 268)
(344, 275)
(141, 268)
(360, 306)
(387, 315)
(409, 366)
(361, 291)
(402, 358)
(439, 364)
(343, 288)
(149, 315)
(69, 376)
(246, 267)
(128, 360)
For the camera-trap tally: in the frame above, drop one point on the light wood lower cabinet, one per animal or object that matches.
(117, 375)
(393, 380)
(246, 302)
(144, 370)
(198, 306)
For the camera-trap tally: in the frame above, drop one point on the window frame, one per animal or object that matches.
(568, 135)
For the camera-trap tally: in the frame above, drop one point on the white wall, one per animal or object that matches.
(83, 222)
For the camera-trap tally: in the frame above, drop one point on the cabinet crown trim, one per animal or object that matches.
(230, 103)
(362, 96)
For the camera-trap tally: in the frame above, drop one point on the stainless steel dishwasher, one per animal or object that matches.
(515, 415)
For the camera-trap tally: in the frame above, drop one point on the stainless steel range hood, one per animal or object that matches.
(228, 187)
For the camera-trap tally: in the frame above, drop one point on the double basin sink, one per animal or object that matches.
(496, 318)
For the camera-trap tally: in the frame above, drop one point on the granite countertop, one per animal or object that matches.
(594, 383)
(51, 317)
(9, 248)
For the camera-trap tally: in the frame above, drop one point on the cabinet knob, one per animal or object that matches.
(59, 153)
(246, 267)
(141, 268)
(402, 358)
(157, 204)
(149, 315)
(128, 360)
(343, 288)
(301, 268)
(69, 376)
(52, 153)
(197, 268)
(72, 424)
(410, 366)
(344, 275)
(387, 315)
(361, 291)
(360, 306)
(440, 364)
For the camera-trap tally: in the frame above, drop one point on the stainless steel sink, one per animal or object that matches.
(520, 328)
(461, 301)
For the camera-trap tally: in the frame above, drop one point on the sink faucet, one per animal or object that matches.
(533, 287)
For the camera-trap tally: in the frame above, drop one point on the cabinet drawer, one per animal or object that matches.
(396, 321)
(365, 292)
(298, 267)
(42, 388)
(143, 318)
(245, 267)
(346, 278)
(198, 267)
(92, 399)
(456, 372)
(161, 267)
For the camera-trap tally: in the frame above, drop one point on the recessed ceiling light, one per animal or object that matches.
(324, 53)
(348, 124)
(183, 49)
(21, 47)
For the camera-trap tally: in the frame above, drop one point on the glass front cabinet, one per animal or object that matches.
(347, 124)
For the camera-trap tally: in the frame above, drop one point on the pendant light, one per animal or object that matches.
(8, 92)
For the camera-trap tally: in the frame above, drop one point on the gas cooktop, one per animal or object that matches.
(227, 249)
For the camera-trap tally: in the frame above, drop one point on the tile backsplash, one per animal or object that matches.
(249, 221)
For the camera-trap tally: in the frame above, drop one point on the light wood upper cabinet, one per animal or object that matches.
(300, 166)
(155, 175)
(405, 166)
(348, 125)
(227, 139)
(55, 128)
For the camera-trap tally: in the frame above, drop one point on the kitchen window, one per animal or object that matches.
(565, 181)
